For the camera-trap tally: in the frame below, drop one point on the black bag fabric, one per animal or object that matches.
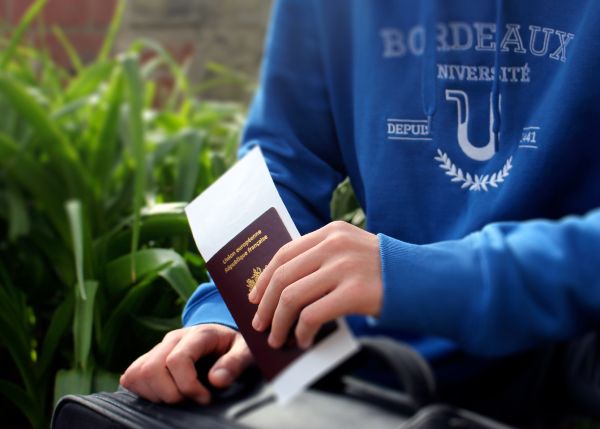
(337, 401)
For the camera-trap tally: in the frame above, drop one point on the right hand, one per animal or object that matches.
(167, 373)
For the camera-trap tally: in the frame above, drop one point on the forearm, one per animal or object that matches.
(503, 289)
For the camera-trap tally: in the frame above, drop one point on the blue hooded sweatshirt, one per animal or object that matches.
(468, 131)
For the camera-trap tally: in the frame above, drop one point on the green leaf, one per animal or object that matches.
(68, 48)
(89, 80)
(105, 381)
(33, 11)
(74, 215)
(72, 382)
(18, 217)
(170, 263)
(31, 110)
(154, 226)
(83, 324)
(113, 29)
(62, 153)
(70, 109)
(104, 146)
(135, 94)
(181, 81)
(31, 175)
(127, 305)
(188, 165)
(56, 330)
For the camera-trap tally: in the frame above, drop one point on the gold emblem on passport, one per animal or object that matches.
(251, 282)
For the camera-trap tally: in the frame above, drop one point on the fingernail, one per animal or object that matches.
(252, 295)
(272, 342)
(304, 344)
(202, 400)
(223, 376)
(257, 323)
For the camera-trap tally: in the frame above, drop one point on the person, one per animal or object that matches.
(468, 131)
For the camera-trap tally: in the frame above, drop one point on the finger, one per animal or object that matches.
(231, 365)
(293, 299)
(133, 381)
(159, 379)
(148, 376)
(326, 309)
(286, 253)
(181, 361)
(287, 274)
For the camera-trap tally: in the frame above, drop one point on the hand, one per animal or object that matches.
(167, 373)
(329, 273)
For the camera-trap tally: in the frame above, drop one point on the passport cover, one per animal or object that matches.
(235, 268)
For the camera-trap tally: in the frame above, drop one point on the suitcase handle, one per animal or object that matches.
(412, 378)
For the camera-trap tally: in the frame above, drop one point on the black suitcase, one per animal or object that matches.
(339, 400)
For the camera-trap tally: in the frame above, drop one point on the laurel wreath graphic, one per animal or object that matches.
(474, 182)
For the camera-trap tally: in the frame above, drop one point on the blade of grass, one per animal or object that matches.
(105, 145)
(83, 324)
(62, 153)
(74, 214)
(113, 29)
(21, 100)
(18, 216)
(181, 81)
(31, 175)
(127, 305)
(89, 80)
(33, 11)
(135, 94)
(68, 48)
(188, 165)
(59, 325)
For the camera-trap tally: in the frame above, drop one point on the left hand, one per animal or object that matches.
(329, 273)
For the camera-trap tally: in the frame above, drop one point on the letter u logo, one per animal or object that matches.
(474, 152)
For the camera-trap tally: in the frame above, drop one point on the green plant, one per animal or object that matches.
(345, 206)
(97, 260)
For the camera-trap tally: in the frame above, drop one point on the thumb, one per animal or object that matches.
(231, 365)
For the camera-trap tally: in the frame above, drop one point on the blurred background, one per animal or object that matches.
(197, 32)
(115, 114)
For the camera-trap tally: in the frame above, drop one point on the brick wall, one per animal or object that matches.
(228, 32)
(83, 21)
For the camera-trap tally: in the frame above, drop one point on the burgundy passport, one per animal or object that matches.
(236, 268)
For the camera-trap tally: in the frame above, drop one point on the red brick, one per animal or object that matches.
(181, 51)
(64, 13)
(101, 12)
(18, 9)
(4, 17)
(87, 44)
(50, 45)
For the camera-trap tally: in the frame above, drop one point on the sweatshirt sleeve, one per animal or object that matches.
(291, 120)
(503, 289)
